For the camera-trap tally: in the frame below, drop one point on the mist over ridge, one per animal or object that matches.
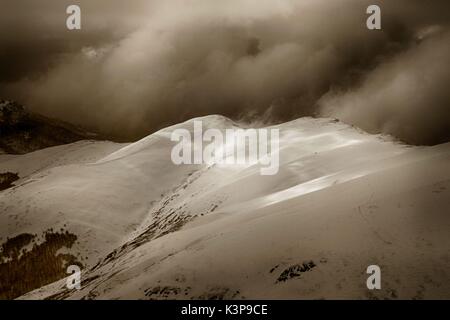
(135, 68)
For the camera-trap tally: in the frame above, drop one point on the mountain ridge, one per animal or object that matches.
(343, 199)
(22, 131)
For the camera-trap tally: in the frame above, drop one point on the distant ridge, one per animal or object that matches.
(22, 131)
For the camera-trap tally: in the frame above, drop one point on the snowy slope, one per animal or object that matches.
(342, 200)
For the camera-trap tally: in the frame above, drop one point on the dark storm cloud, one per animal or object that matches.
(139, 65)
(33, 37)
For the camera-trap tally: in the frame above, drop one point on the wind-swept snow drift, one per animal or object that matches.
(148, 229)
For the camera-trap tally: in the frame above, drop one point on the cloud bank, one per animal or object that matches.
(135, 68)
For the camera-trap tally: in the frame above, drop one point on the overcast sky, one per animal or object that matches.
(136, 65)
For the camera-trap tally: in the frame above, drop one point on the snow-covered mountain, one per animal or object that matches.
(145, 228)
